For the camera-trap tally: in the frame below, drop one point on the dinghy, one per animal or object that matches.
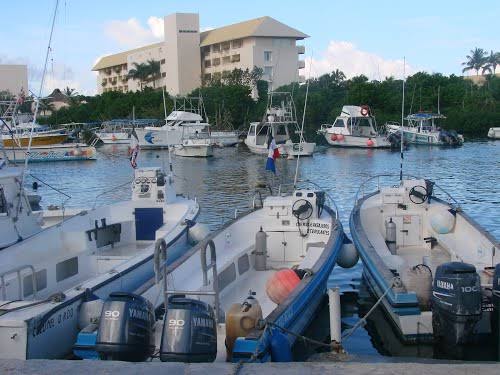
(238, 295)
(430, 263)
(45, 278)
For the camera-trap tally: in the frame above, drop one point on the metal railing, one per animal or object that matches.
(18, 270)
(363, 188)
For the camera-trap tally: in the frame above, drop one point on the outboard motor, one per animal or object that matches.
(456, 302)
(495, 316)
(126, 328)
(189, 331)
(395, 140)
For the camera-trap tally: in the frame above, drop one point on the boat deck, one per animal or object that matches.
(414, 255)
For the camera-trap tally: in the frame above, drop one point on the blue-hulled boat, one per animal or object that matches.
(430, 263)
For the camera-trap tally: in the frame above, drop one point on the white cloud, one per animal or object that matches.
(131, 33)
(346, 57)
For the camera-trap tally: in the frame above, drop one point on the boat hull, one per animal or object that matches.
(64, 152)
(194, 151)
(494, 133)
(417, 138)
(37, 140)
(114, 138)
(358, 142)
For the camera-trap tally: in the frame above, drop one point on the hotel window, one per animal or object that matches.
(268, 71)
(268, 56)
(237, 43)
(235, 58)
(217, 76)
(216, 48)
(164, 74)
(225, 46)
(226, 74)
(216, 61)
(226, 59)
(207, 77)
(162, 61)
(208, 63)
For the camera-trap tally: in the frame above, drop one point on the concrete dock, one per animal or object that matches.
(54, 367)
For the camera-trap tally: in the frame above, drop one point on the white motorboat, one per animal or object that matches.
(356, 127)
(279, 121)
(223, 138)
(422, 129)
(494, 133)
(114, 133)
(196, 146)
(185, 120)
(435, 269)
(45, 278)
(283, 251)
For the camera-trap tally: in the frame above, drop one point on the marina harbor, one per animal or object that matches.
(242, 199)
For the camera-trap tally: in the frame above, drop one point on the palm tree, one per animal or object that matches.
(475, 60)
(491, 62)
(69, 92)
(154, 69)
(140, 72)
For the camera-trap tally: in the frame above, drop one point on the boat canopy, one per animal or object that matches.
(184, 116)
(351, 111)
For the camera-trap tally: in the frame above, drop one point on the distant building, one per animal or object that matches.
(188, 56)
(14, 78)
(479, 79)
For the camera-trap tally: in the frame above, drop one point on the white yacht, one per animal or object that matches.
(355, 127)
(422, 129)
(494, 133)
(197, 144)
(45, 278)
(280, 123)
(114, 133)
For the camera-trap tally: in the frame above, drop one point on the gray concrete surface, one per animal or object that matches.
(11, 367)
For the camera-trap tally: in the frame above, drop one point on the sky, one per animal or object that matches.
(357, 37)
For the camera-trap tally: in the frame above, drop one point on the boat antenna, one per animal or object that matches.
(166, 128)
(439, 112)
(402, 123)
(302, 127)
(42, 81)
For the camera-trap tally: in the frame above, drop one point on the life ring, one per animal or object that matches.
(365, 110)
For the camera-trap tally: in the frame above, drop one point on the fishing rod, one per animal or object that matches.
(402, 123)
(166, 128)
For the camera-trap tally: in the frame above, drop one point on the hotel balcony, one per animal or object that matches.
(301, 50)
(301, 64)
(302, 79)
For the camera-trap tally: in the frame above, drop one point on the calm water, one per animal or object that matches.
(226, 182)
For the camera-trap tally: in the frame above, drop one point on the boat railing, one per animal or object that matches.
(18, 270)
(63, 202)
(110, 190)
(364, 188)
(327, 194)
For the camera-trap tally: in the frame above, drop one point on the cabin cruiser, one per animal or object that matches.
(197, 143)
(280, 124)
(45, 278)
(435, 269)
(267, 268)
(356, 127)
(422, 129)
(19, 135)
(494, 133)
(114, 133)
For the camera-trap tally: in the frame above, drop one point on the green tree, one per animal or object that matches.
(475, 60)
(140, 72)
(154, 70)
(491, 62)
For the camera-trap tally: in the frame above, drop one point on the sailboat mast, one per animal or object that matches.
(402, 123)
(166, 128)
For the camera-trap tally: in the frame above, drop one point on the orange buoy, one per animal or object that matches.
(281, 284)
(333, 137)
(340, 137)
(113, 138)
(369, 142)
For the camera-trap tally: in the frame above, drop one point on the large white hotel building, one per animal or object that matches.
(188, 56)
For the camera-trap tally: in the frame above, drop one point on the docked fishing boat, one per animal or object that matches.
(114, 133)
(422, 129)
(433, 267)
(62, 152)
(356, 127)
(279, 124)
(494, 133)
(198, 145)
(184, 121)
(46, 277)
(265, 277)
(19, 136)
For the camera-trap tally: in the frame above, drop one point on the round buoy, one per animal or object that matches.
(442, 220)
(281, 284)
(340, 137)
(348, 256)
(113, 138)
(333, 137)
(198, 232)
(369, 142)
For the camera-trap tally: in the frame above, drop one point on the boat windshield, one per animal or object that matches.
(339, 123)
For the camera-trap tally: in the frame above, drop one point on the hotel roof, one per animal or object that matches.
(258, 27)
(120, 58)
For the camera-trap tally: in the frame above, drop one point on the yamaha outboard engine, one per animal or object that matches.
(495, 315)
(126, 328)
(189, 331)
(456, 302)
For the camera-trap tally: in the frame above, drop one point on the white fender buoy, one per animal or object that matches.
(442, 220)
(198, 232)
(348, 256)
